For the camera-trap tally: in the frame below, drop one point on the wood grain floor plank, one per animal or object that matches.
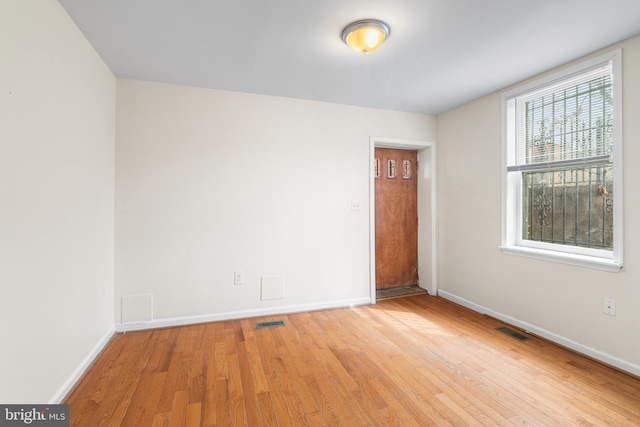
(178, 415)
(222, 403)
(373, 403)
(139, 400)
(325, 407)
(161, 419)
(266, 345)
(236, 394)
(267, 410)
(208, 416)
(222, 370)
(254, 358)
(288, 384)
(295, 381)
(171, 383)
(126, 375)
(335, 388)
(407, 417)
(252, 406)
(152, 397)
(314, 419)
(194, 411)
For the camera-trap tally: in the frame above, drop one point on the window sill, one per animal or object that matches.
(564, 258)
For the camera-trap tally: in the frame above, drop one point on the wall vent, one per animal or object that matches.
(513, 334)
(272, 324)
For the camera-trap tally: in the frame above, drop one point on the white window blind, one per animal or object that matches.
(562, 125)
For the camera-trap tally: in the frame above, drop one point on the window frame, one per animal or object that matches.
(511, 239)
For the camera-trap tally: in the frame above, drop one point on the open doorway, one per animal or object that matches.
(402, 169)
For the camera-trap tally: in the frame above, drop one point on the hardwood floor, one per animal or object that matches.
(412, 361)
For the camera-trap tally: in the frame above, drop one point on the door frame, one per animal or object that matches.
(427, 255)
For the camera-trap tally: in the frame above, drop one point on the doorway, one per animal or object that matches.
(424, 171)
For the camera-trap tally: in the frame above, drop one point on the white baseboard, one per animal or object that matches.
(187, 320)
(77, 374)
(605, 358)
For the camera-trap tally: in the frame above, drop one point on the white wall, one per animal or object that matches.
(565, 301)
(57, 114)
(209, 182)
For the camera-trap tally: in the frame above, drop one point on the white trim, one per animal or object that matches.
(598, 263)
(565, 74)
(558, 339)
(241, 314)
(81, 369)
(557, 164)
(401, 144)
(618, 166)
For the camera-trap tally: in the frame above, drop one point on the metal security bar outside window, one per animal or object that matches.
(564, 158)
(570, 206)
(562, 162)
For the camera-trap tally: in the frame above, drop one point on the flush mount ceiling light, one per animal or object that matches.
(366, 35)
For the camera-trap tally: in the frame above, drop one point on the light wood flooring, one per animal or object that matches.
(412, 361)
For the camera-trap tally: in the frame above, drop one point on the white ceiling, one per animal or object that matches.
(440, 54)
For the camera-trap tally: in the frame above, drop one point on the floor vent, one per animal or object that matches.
(513, 334)
(272, 324)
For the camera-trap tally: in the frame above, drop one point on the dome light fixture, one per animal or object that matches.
(366, 35)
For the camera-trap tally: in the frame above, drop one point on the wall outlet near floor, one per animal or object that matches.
(238, 277)
(610, 306)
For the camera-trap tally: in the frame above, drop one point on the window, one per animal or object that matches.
(562, 144)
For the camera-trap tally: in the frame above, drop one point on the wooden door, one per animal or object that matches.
(396, 205)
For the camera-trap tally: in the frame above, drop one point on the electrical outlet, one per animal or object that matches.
(238, 277)
(610, 306)
(355, 206)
